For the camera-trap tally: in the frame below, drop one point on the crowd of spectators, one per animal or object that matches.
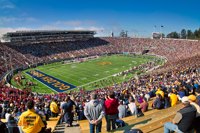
(178, 78)
(133, 95)
(17, 55)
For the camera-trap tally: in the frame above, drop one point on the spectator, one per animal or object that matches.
(183, 119)
(147, 96)
(94, 113)
(159, 91)
(3, 127)
(30, 121)
(122, 110)
(67, 111)
(181, 93)
(158, 103)
(111, 109)
(192, 99)
(144, 105)
(132, 106)
(11, 122)
(166, 101)
(8, 115)
(198, 97)
(54, 108)
(173, 98)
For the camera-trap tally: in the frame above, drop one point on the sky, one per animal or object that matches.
(139, 17)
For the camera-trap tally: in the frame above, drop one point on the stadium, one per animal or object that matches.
(60, 62)
(61, 81)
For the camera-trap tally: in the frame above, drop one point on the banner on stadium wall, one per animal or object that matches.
(50, 81)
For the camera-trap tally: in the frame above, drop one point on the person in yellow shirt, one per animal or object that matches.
(29, 121)
(159, 91)
(54, 108)
(173, 99)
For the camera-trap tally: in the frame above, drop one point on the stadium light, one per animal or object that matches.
(161, 31)
(155, 28)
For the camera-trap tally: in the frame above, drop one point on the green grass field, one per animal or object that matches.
(87, 73)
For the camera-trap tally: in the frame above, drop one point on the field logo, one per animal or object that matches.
(50, 81)
(104, 63)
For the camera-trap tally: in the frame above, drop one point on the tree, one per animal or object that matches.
(173, 35)
(197, 33)
(162, 35)
(183, 34)
(190, 34)
(123, 33)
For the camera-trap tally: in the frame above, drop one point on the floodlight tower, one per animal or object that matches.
(161, 30)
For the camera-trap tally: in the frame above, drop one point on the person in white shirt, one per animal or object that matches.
(132, 106)
(8, 115)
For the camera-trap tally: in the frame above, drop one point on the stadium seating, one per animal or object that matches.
(25, 55)
(52, 122)
(181, 55)
(152, 120)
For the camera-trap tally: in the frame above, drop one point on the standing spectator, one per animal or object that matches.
(122, 110)
(67, 111)
(183, 119)
(111, 109)
(30, 121)
(54, 108)
(192, 99)
(3, 127)
(94, 113)
(8, 115)
(11, 123)
(198, 97)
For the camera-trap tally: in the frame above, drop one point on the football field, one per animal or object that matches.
(88, 73)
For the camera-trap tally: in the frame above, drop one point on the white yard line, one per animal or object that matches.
(58, 73)
(96, 81)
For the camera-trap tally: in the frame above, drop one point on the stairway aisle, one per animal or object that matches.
(62, 128)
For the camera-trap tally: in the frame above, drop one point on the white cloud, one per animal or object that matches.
(7, 20)
(98, 29)
(69, 23)
(49, 27)
(8, 29)
(75, 23)
(6, 4)
(30, 19)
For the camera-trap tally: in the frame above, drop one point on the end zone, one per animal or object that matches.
(50, 81)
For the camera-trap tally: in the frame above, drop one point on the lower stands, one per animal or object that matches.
(151, 121)
(52, 122)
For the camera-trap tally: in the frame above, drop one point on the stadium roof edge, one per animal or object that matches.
(35, 31)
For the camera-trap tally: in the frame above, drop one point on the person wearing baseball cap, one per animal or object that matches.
(183, 120)
(193, 99)
(198, 96)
